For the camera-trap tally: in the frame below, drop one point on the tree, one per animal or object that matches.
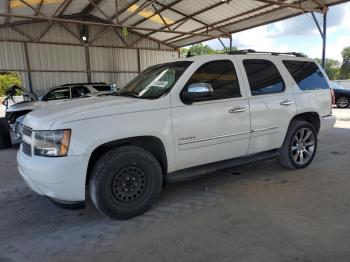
(8, 79)
(201, 49)
(332, 68)
(345, 67)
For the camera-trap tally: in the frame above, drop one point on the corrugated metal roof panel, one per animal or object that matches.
(211, 12)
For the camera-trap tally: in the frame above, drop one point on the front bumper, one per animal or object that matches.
(59, 178)
(327, 122)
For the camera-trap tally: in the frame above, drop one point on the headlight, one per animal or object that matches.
(51, 143)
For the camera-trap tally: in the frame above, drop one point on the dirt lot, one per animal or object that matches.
(260, 212)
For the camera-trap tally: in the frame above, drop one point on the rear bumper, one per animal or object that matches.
(327, 122)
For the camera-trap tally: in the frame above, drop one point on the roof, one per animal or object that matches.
(174, 22)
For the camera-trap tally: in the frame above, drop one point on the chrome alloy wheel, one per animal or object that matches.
(303, 146)
(343, 102)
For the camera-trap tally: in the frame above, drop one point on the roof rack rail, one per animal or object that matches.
(251, 51)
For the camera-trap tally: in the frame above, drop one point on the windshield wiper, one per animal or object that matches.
(129, 93)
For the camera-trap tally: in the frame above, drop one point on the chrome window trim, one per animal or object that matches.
(224, 136)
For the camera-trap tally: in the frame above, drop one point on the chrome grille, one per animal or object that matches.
(27, 131)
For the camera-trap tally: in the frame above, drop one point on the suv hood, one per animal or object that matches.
(86, 108)
(21, 106)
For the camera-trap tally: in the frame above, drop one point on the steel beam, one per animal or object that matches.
(64, 7)
(39, 7)
(224, 21)
(91, 6)
(62, 20)
(36, 10)
(192, 18)
(161, 10)
(197, 13)
(161, 17)
(8, 11)
(292, 5)
(323, 33)
(139, 9)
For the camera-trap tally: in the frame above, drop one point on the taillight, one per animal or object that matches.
(333, 96)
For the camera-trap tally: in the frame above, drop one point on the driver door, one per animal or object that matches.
(216, 127)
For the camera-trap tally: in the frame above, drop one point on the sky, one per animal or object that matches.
(298, 34)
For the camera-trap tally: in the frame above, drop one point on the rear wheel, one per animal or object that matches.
(125, 182)
(299, 147)
(343, 102)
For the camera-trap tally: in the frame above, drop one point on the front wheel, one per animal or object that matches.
(125, 182)
(299, 147)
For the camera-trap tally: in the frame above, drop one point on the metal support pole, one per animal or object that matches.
(88, 65)
(29, 72)
(230, 43)
(222, 43)
(324, 40)
(323, 33)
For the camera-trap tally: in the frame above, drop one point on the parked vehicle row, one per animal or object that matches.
(173, 122)
(341, 95)
(15, 112)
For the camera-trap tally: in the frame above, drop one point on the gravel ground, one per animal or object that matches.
(258, 212)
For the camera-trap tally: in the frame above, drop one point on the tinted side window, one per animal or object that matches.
(221, 75)
(263, 77)
(59, 94)
(102, 88)
(306, 74)
(78, 91)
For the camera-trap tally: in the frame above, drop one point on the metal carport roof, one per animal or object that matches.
(175, 23)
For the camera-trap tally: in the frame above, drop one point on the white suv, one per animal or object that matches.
(173, 122)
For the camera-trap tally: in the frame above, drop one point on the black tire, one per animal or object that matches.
(118, 197)
(343, 102)
(286, 152)
(5, 136)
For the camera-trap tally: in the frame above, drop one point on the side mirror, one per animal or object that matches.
(197, 91)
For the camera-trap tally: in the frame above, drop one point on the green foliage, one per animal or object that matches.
(345, 67)
(332, 68)
(7, 80)
(201, 49)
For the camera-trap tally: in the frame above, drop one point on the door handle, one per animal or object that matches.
(286, 102)
(237, 110)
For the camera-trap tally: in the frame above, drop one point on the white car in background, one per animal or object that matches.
(16, 112)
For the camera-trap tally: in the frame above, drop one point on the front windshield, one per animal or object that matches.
(156, 80)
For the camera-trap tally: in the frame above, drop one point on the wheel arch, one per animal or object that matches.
(311, 117)
(150, 143)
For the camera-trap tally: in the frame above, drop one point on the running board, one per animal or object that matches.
(194, 172)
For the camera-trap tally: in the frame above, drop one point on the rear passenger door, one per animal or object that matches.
(271, 101)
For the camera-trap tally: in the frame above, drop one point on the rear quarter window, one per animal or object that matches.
(102, 88)
(306, 74)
